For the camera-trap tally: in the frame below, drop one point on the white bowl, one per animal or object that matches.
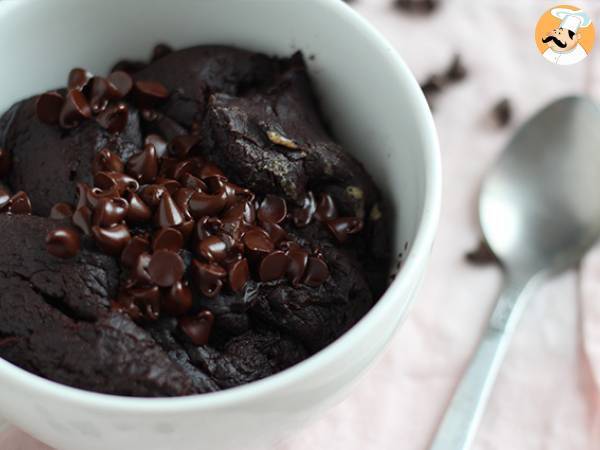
(378, 112)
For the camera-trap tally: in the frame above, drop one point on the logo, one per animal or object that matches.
(564, 35)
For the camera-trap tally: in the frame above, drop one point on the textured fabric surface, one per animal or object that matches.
(547, 395)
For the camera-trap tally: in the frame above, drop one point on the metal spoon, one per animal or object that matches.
(540, 213)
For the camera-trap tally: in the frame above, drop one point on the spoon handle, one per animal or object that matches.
(463, 415)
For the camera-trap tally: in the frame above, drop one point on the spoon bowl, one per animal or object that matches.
(538, 206)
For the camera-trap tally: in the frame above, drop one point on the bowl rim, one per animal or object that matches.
(415, 260)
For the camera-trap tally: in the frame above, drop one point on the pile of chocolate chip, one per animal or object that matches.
(175, 221)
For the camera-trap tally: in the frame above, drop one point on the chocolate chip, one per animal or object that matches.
(502, 112)
(160, 51)
(207, 226)
(5, 162)
(19, 204)
(48, 107)
(258, 242)
(78, 78)
(147, 299)
(111, 180)
(82, 218)
(111, 240)
(95, 194)
(202, 204)
(181, 146)
(150, 115)
(274, 266)
(186, 229)
(190, 181)
(132, 251)
(114, 118)
(316, 272)
(129, 66)
(170, 184)
(303, 216)
(63, 242)
(140, 272)
(181, 199)
(297, 265)
(167, 239)
(107, 161)
(61, 211)
(100, 94)
(239, 274)
(167, 213)
(208, 277)
(160, 145)
(326, 209)
(417, 6)
(149, 93)
(4, 198)
(272, 209)
(138, 212)
(212, 249)
(275, 232)
(166, 268)
(198, 327)
(457, 70)
(143, 166)
(152, 194)
(110, 211)
(241, 211)
(120, 84)
(209, 170)
(343, 227)
(74, 110)
(177, 300)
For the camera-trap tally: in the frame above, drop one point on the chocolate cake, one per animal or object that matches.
(181, 226)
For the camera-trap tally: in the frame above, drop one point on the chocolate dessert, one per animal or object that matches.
(181, 226)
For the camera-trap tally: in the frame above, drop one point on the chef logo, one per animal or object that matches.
(565, 35)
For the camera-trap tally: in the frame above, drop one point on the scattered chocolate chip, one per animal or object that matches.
(74, 110)
(132, 251)
(63, 242)
(114, 118)
(167, 213)
(78, 78)
(258, 242)
(343, 227)
(457, 70)
(111, 240)
(274, 266)
(120, 84)
(166, 268)
(273, 209)
(303, 216)
(481, 255)
(197, 328)
(100, 94)
(149, 93)
(160, 145)
(143, 166)
(167, 239)
(177, 300)
(48, 107)
(239, 274)
(326, 209)
(208, 277)
(82, 218)
(316, 272)
(107, 161)
(61, 211)
(298, 260)
(502, 112)
(4, 198)
(19, 204)
(212, 249)
(110, 211)
(417, 6)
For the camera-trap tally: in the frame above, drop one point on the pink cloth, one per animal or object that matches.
(546, 396)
